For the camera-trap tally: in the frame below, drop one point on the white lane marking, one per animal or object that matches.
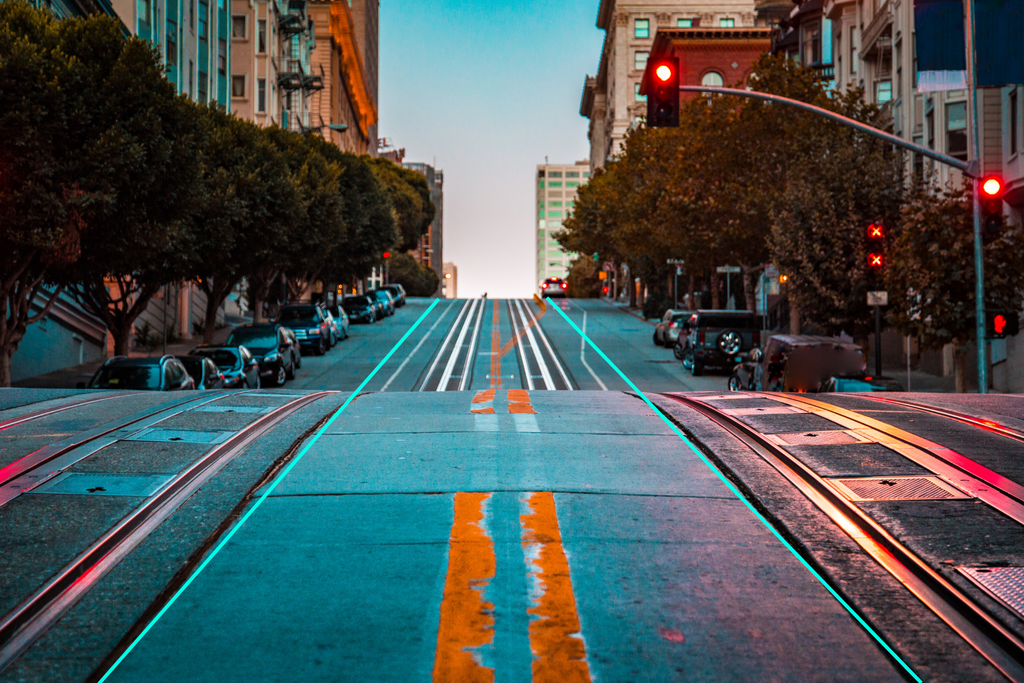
(444, 345)
(554, 358)
(525, 423)
(583, 345)
(519, 342)
(449, 368)
(486, 422)
(413, 352)
(468, 368)
(548, 382)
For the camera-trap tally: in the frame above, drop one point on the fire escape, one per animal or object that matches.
(295, 79)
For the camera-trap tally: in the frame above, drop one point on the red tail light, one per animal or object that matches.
(544, 286)
(700, 338)
(672, 326)
(564, 285)
(757, 338)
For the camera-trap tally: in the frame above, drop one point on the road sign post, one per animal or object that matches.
(878, 299)
(728, 270)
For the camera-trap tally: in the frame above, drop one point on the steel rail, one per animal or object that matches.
(990, 638)
(1003, 494)
(453, 358)
(518, 336)
(549, 383)
(547, 345)
(444, 345)
(987, 425)
(9, 475)
(467, 368)
(29, 620)
(39, 414)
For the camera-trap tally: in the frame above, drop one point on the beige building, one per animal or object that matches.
(450, 281)
(556, 193)
(611, 99)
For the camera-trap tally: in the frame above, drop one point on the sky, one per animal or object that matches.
(487, 89)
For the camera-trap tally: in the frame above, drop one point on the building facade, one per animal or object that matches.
(450, 282)
(611, 99)
(557, 185)
(430, 250)
(193, 38)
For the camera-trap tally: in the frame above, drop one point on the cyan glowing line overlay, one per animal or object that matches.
(270, 489)
(736, 492)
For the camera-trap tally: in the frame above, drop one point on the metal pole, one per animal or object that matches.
(675, 288)
(728, 289)
(908, 363)
(878, 341)
(975, 151)
(164, 353)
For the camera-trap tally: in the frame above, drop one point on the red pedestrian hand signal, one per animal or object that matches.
(1000, 324)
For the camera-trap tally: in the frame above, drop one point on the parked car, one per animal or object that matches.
(397, 293)
(236, 363)
(273, 346)
(384, 297)
(203, 372)
(863, 384)
(553, 286)
(717, 339)
(154, 373)
(309, 323)
(339, 330)
(340, 318)
(805, 363)
(668, 329)
(360, 309)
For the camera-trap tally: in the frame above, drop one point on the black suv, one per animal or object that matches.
(718, 338)
(273, 346)
(148, 374)
(310, 325)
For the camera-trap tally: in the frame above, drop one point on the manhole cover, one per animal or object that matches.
(234, 409)
(827, 437)
(1005, 584)
(898, 488)
(103, 484)
(181, 436)
(767, 410)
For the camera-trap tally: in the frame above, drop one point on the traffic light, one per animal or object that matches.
(991, 207)
(876, 248)
(1000, 324)
(387, 254)
(663, 93)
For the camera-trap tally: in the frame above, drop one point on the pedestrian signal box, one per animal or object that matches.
(1001, 324)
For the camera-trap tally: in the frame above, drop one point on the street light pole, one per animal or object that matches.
(975, 152)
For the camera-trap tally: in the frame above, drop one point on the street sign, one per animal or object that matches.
(679, 270)
(675, 262)
(603, 275)
(878, 298)
(729, 269)
(609, 266)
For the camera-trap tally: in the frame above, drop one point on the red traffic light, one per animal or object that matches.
(999, 323)
(663, 72)
(992, 187)
(387, 254)
(876, 231)
(876, 260)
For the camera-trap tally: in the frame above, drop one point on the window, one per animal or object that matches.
(712, 78)
(684, 23)
(810, 42)
(204, 14)
(261, 35)
(221, 5)
(853, 49)
(172, 44)
(572, 184)
(919, 159)
(929, 121)
(556, 204)
(222, 57)
(238, 85)
(883, 92)
(1013, 121)
(636, 93)
(899, 69)
(550, 184)
(192, 14)
(555, 174)
(640, 60)
(238, 27)
(956, 130)
(540, 184)
(586, 174)
(572, 174)
(261, 102)
(201, 88)
(191, 78)
(725, 22)
(642, 28)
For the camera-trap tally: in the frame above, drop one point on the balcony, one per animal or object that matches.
(826, 72)
(878, 34)
(292, 77)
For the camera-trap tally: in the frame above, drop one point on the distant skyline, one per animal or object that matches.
(486, 90)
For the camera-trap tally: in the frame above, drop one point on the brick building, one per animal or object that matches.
(712, 56)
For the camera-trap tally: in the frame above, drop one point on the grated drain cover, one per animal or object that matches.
(897, 488)
(827, 437)
(1005, 584)
(103, 484)
(768, 410)
(181, 436)
(234, 409)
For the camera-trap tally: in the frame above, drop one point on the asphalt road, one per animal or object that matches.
(496, 504)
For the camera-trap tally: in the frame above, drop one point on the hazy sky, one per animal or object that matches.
(488, 88)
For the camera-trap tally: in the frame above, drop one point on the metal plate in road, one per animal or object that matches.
(104, 484)
(181, 436)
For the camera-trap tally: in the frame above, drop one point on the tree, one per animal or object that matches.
(143, 160)
(409, 195)
(416, 278)
(40, 200)
(930, 275)
(583, 279)
(247, 210)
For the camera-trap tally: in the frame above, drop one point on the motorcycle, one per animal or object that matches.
(744, 374)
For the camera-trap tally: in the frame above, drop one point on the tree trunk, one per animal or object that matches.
(716, 291)
(632, 291)
(749, 289)
(215, 296)
(795, 323)
(5, 364)
(960, 368)
(122, 337)
(691, 293)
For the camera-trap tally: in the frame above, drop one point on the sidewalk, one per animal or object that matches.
(69, 378)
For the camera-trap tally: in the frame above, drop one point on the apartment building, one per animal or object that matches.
(450, 283)
(430, 250)
(192, 37)
(271, 80)
(612, 100)
(556, 193)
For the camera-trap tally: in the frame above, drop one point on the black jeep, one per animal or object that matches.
(717, 339)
